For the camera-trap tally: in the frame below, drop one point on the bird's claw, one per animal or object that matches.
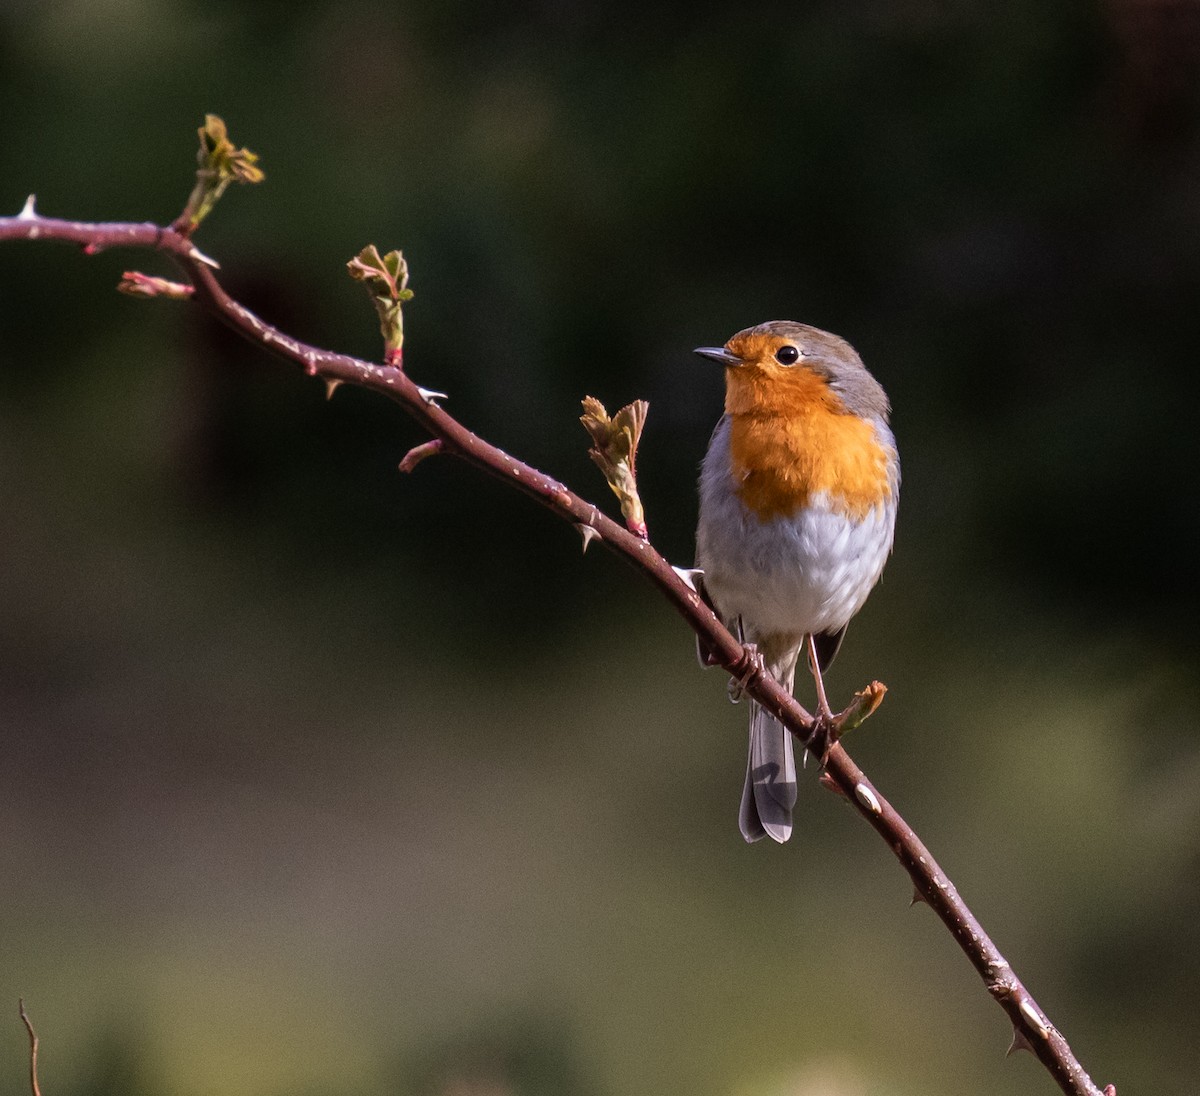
(751, 663)
(827, 729)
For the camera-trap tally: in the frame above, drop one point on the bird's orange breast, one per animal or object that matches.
(789, 443)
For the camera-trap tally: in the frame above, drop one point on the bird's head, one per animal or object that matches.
(782, 366)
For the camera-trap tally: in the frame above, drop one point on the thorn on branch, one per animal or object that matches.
(917, 897)
(419, 453)
(28, 212)
(688, 576)
(33, 1048)
(386, 279)
(135, 284)
(588, 533)
(200, 257)
(429, 396)
(331, 386)
(614, 452)
(1019, 1042)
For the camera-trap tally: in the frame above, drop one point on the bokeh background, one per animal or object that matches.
(322, 781)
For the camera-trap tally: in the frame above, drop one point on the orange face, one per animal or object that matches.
(770, 379)
(792, 437)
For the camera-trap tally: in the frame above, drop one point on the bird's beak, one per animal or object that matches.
(718, 354)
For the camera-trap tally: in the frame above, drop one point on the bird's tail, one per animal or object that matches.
(770, 791)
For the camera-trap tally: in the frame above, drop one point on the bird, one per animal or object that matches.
(798, 496)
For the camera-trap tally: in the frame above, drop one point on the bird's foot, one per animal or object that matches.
(826, 731)
(751, 662)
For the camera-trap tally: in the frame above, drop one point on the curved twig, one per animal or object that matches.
(1032, 1028)
(34, 1088)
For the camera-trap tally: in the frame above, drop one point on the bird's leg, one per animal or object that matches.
(751, 662)
(825, 731)
(814, 665)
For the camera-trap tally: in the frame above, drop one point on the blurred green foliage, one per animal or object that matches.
(322, 779)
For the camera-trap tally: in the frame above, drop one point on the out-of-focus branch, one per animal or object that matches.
(34, 1088)
(1032, 1028)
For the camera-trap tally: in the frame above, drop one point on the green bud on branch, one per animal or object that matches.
(862, 707)
(615, 454)
(220, 164)
(386, 279)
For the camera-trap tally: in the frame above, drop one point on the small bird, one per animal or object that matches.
(798, 494)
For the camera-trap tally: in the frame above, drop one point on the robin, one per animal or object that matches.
(798, 494)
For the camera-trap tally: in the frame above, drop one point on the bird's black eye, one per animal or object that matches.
(787, 355)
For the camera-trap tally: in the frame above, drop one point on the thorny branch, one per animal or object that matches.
(1032, 1028)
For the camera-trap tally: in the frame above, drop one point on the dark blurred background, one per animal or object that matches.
(321, 780)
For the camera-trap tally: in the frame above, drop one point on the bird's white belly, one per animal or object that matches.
(807, 573)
